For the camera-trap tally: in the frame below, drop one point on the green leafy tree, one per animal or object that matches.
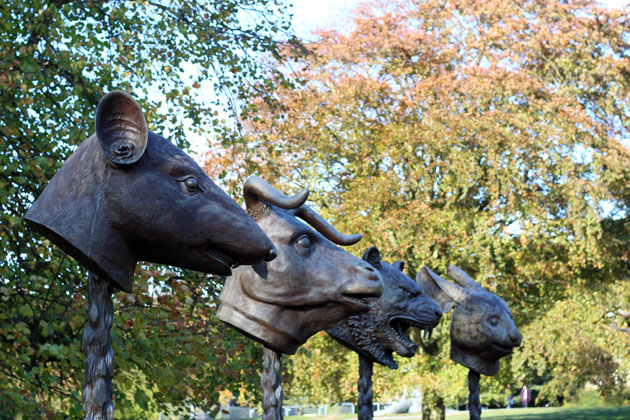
(185, 61)
(486, 134)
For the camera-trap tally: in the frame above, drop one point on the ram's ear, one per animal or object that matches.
(446, 294)
(121, 128)
(399, 265)
(373, 257)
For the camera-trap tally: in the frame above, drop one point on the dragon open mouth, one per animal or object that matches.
(222, 258)
(400, 327)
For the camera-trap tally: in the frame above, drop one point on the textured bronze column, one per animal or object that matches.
(99, 355)
(474, 406)
(271, 381)
(364, 408)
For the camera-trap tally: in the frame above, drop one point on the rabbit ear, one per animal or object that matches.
(462, 278)
(446, 294)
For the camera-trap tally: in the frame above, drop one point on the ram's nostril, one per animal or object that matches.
(271, 255)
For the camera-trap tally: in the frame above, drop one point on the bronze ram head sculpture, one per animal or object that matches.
(127, 194)
(482, 327)
(311, 285)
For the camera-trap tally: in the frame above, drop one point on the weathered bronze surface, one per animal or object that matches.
(311, 285)
(127, 194)
(482, 327)
(385, 328)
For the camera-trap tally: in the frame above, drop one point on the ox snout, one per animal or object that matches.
(365, 283)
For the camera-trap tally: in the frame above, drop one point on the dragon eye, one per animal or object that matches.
(494, 320)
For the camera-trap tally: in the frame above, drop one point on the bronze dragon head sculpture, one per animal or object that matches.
(385, 328)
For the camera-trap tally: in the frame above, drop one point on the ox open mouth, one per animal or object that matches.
(221, 257)
(358, 300)
(400, 327)
(502, 349)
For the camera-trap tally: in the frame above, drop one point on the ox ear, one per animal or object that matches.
(121, 128)
(399, 265)
(446, 294)
(373, 256)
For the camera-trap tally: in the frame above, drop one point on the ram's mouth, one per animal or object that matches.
(400, 327)
(505, 350)
(359, 300)
(222, 258)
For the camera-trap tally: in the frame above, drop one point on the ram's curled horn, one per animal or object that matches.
(461, 277)
(256, 188)
(322, 226)
(121, 128)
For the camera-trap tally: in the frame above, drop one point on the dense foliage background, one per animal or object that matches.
(488, 134)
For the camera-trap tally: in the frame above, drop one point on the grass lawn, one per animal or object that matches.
(576, 413)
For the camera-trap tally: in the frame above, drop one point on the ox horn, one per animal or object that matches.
(256, 188)
(322, 226)
(461, 277)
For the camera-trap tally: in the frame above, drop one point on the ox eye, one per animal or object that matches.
(191, 184)
(304, 242)
(493, 320)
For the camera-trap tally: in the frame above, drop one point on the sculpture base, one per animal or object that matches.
(258, 330)
(475, 363)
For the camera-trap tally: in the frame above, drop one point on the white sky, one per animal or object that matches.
(309, 15)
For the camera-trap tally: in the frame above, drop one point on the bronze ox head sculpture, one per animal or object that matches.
(127, 194)
(384, 330)
(482, 327)
(310, 286)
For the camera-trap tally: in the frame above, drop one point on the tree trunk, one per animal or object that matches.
(99, 355)
(364, 408)
(432, 406)
(271, 383)
(474, 406)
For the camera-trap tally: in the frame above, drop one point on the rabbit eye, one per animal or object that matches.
(493, 320)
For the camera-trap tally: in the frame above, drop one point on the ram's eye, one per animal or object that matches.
(493, 320)
(409, 294)
(191, 184)
(304, 242)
